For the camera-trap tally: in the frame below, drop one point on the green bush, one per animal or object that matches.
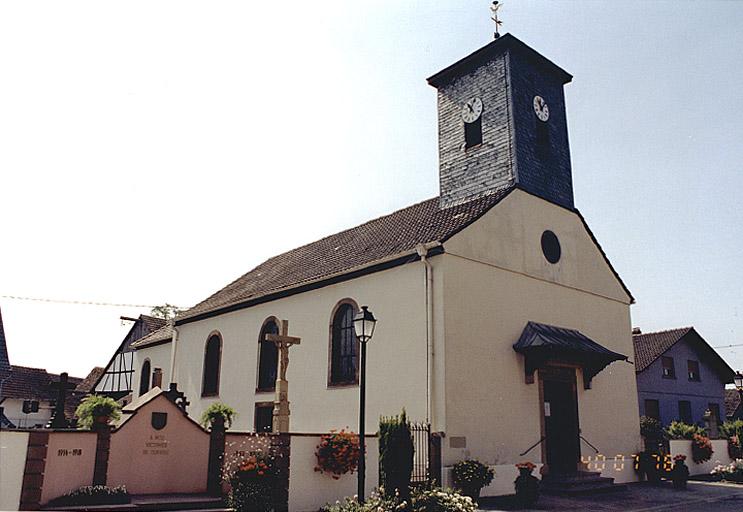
(471, 474)
(651, 428)
(681, 430)
(395, 454)
(93, 495)
(250, 496)
(95, 406)
(732, 428)
(216, 410)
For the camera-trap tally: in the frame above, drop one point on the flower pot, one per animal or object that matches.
(527, 488)
(102, 420)
(471, 491)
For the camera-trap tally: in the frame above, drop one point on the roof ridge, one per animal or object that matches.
(664, 331)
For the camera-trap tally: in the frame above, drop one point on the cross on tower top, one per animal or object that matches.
(494, 9)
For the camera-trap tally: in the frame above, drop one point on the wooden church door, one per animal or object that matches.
(561, 428)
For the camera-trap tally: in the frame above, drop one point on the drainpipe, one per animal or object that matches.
(173, 350)
(422, 250)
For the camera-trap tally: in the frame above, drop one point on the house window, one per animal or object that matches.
(157, 378)
(652, 409)
(264, 417)
(685, 411)
(144, 378)
(344, 347)
(473, 133)
(715, 410)
(669, 372)
(212, 360)
(693, 367)
(268, 357)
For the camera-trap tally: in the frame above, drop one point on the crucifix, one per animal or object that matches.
(281, 402)
(494, 9)
(58, 420)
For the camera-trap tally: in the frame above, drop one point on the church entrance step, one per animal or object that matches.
(158, 502)
(583, 482)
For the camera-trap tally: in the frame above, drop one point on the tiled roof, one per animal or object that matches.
(88, 383)
(386, 238)
(732, 401)
(650, 346)
(4, 360)
(164, 333)
(152, 323)
(32, 384)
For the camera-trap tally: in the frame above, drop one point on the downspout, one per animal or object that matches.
(422, 250)
(173, 351)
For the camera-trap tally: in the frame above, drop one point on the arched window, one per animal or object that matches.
(212, 359)
(268, 357)
(344, 347)
(144, 378)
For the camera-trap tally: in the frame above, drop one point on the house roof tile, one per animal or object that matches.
(649, 346)
(387, 237)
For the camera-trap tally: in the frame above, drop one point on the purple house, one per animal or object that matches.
(679, 376)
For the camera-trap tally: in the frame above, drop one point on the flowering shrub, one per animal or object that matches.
(472, 474)
(701, 449)
(251, 481)
(732, 472)
(337, 453)
(431, 500)
(255, 466)
(526, 465)
(679, 458)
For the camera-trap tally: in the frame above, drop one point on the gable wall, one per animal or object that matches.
(496, 281)
(668, 392)
(396, 370)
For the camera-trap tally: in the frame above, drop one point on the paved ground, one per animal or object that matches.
(641, 497)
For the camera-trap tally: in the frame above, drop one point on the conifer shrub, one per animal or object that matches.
(396, 454)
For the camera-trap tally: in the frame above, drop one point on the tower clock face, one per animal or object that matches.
(541, 109)
(472, 110)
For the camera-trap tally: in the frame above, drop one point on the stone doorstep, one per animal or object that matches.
(157, 502)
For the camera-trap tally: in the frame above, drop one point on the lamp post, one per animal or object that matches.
(363, 325)
(738, 381)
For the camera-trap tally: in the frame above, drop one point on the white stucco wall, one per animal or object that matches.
(13, 447)
(310, 490)
(159, 356)
(719, 455)
(396, 368)
(496, 279)
(13, 409)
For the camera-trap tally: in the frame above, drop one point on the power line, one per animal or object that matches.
(77, 302)
(729, 346)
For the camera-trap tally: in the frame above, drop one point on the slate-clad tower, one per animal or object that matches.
(502, 121)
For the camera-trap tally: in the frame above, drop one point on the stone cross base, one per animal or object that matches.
(281, 407)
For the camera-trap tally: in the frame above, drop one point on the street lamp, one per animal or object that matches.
(738, 381)
(363, 325)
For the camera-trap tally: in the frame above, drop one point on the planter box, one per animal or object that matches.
(719, 456)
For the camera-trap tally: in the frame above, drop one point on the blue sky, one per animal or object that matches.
(155, 151)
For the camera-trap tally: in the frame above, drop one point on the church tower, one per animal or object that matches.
(502, 121)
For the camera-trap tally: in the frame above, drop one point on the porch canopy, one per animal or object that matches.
(541, 343)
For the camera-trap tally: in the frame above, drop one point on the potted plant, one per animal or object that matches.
(680, 472)
(471, 476)
(216, 411)
(701, 448)
(97, 410)
(337, 453)
(526, 484)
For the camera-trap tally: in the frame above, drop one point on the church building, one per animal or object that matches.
(501, 321)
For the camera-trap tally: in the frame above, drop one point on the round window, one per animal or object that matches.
(551, 246)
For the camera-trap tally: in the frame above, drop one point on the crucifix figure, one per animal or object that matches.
(58, 420)
(494, 9)
(281, 403)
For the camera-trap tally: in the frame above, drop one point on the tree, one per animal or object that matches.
(166, 311)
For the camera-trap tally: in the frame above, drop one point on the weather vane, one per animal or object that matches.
(494, 9)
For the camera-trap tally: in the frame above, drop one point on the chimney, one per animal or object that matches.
(636, 330)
